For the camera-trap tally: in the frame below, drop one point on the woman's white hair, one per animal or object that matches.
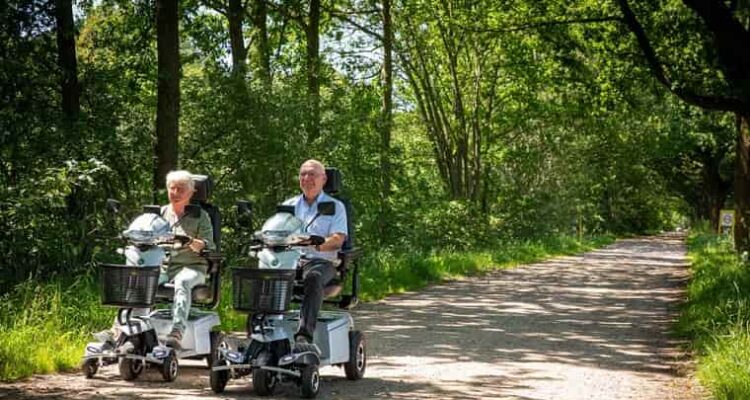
(181, 176)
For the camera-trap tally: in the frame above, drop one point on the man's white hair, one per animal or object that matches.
(317, 164)
(181, 176)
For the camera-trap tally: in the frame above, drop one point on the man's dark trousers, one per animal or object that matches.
(316, 273)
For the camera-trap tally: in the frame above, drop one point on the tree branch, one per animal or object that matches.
(216, 5)
(288, 16)
(708, 102)
(541, 24)
(343, 17)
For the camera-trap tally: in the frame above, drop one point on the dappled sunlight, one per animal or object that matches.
(594, 324)
(604, 312)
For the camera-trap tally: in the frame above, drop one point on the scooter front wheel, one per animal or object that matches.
(264, 381)
(129, 369)
(169, 368)
(310, 382)
(90, 367)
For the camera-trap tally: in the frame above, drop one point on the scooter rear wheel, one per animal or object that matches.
(217, 342)
(219, 379)
(355, 367)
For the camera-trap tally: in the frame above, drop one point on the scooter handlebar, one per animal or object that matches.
(306, 240)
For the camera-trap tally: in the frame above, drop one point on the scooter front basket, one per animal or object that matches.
(128, 286)
(262, 290)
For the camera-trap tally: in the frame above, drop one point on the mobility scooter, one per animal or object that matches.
(265, 293)
(135, 288)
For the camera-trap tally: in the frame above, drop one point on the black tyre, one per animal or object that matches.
(130, 369)
(355, 367)
(90, 367)
(264, 382)
(310, 382)
(170, 368)
(217, 341)
(219, 379)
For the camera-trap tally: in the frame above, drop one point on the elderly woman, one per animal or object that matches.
(185, 266)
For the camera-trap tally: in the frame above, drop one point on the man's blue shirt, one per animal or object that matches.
(323, 225)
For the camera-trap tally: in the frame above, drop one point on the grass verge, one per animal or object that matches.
(716, 316)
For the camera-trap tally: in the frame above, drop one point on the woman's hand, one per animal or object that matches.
(197, 245)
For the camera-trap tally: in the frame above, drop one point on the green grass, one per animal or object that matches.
(45, 326)
(716, 316)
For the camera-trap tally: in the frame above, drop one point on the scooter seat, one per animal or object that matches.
(200, 293)
(332, 289)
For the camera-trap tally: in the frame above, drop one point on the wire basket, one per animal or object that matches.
(262, 290)
(128, 286)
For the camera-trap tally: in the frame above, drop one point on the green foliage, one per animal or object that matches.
(717, 314)
(550, 130)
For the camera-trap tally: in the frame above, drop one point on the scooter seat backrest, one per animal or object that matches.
(204, 187)
(333, 181)
(333, 186)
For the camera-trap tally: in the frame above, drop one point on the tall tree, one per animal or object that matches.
(725, 29)
(312, 33)
(261, 51)
(454, 76)
(66, 50)
(235, 18)
(386, 117)
(234, 11)
(168, 90)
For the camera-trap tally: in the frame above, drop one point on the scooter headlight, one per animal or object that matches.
(235, 357)
(160, 352)
(93, 349)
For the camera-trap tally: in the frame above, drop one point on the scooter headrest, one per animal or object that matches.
(333, 182)
(203, 188)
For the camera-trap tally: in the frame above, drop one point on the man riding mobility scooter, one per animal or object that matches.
(134, 287)
(265, 293)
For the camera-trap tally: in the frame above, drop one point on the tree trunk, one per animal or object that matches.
(313, 71)
(386, 119)
(742, 184)
(66, 51)
(235, 16)
(168, 91)
(261, 55)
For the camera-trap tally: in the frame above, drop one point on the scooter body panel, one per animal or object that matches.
(196, 339)
(331, 334)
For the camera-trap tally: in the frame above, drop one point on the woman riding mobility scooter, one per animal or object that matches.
(135, 287)
(266, 292)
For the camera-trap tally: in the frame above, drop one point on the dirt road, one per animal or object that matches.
(588, 327)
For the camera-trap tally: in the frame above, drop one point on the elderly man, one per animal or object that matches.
(185, 266)
(318, 262)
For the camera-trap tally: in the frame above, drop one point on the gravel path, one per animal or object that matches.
(587, 327)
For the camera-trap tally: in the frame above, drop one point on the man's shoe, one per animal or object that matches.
(174, 339)
(105, 336)
(303, 344)
(125, 348)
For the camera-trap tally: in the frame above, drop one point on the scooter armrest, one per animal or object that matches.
(350, 254)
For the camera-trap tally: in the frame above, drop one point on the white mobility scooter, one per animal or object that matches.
(265, 293)
(135, 289)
